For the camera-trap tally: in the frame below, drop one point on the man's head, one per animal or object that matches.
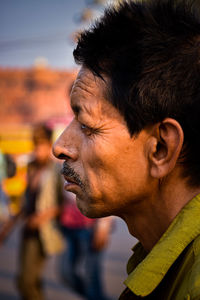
(136, 105)
(149, 51)
(42, 140)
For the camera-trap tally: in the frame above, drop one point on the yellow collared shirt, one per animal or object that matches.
(171, 271)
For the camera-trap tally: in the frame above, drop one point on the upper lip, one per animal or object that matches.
(69, 179)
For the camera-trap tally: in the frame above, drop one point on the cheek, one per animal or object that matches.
(92, 163)
(117, 166)
(96, 157)
(103, 165)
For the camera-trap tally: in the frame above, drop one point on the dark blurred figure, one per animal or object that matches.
(7, 170)
(81, 263)
(40, 236)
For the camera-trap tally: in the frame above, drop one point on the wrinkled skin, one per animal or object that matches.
(97, 146)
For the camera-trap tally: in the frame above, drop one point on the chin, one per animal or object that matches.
(89, 210)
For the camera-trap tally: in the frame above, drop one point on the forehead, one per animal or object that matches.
(87, 82)
(90, 91)
(42, 142)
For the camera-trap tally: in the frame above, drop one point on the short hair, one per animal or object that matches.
(41, 133)
(150, 51)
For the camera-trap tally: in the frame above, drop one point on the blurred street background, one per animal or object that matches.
(115, 259)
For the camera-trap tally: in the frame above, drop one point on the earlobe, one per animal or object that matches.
(166, 144)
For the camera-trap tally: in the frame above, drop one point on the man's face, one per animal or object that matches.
(42, 151)
(104, 166)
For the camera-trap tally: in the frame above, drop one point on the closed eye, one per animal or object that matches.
(86, 129)
(83, 127)
(89, 131)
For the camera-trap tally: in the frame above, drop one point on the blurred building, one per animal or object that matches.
(29, 96)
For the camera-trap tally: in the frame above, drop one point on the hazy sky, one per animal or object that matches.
(38, 28)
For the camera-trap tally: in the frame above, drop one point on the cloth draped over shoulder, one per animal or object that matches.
(50, 195)
(171, 270)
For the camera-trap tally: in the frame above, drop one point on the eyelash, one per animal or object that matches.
(86, 129)
(83, 126)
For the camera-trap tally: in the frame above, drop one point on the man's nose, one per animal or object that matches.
(64, 147)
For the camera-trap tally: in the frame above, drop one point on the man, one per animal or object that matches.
(132, 149)
(43, 198)
(7, 170)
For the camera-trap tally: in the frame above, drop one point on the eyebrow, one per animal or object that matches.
(76, 108)
(79, 108)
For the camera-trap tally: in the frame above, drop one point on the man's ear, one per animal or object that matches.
(164, 147)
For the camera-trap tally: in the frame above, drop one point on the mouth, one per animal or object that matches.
(70, 185)
(72, 179)
(69, 180)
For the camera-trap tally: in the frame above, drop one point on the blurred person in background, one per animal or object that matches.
(43, 197)
(7, 170)
(81, 262)
(7, 220)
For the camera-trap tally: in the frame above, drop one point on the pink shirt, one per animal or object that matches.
(72, 218)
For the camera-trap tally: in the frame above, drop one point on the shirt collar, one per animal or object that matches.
(184, 228)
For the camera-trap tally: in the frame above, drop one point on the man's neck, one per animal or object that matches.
(148, 220)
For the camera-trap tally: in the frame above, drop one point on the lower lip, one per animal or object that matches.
(69, 186)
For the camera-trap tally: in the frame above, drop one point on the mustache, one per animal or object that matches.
(71, 174)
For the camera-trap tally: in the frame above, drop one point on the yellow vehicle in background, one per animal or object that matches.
(17, 142)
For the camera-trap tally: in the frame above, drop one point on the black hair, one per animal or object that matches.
(150, 51)
(41, 132)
